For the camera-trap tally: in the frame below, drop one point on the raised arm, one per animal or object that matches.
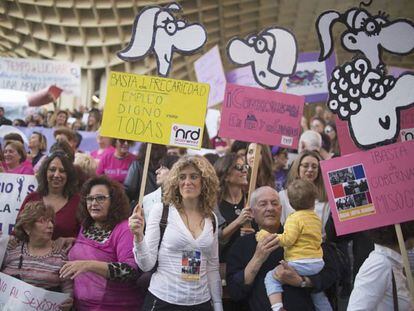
(146, 246)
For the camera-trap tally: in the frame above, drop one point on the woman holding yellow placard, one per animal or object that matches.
(187, 276)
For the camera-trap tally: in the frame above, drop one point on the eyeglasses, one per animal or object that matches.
(328, 130)
(307, 166)
(44, 220)
(241, 167)
(99, 198)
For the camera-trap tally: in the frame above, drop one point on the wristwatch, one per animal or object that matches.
(303, 283)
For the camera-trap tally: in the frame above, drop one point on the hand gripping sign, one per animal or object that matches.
(272, 55)
(157, 30)
(360, 91)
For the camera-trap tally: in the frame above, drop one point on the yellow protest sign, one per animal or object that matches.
(155, 110)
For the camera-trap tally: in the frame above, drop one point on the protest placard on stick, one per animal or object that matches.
(155, 110)
(371, 189)
(261, 116)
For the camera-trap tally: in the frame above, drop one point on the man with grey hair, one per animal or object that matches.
(248, 262)
(312, 141)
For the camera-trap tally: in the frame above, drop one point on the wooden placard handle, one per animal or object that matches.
(253, 178)
(406, 263)
(144, 174)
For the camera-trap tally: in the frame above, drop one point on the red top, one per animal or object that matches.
(66, 224)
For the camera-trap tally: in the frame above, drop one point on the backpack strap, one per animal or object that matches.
(163, 222)
(394, 292)
(214, 222)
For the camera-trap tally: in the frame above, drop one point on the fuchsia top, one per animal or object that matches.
(96, 156)
(94, 292)
(114, 168)
(23, 168)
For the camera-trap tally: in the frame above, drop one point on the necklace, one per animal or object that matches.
(187, 223)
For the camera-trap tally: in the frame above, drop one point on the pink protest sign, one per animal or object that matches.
(371, 189)
(209, 69)
(261, 116)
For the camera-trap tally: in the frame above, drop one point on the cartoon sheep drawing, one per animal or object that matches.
(156, 30)
(360, 91)
(272, 55)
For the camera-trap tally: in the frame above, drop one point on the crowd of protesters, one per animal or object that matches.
(196, 242)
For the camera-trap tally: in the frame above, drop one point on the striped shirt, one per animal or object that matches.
(302, 237)
(39, 271)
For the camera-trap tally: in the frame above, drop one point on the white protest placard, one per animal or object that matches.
(31, 75)
(16, 295)
(4, 240)
(13, 191)
(209, 69)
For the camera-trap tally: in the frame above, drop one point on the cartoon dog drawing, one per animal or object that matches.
(360, 91)
(272, 54)
(156, 30)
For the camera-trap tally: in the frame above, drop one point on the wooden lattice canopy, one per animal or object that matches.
(90, 32)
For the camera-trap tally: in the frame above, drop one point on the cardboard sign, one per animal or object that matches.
(13, 191)
(271, 55)
(155, 110)
(158, 31)
(32, 75)
(360, 90)
(16, 295)
(311, 77)
(242, 76)
(406, 121)
(209, 69)
(371, 189)
(261, 116)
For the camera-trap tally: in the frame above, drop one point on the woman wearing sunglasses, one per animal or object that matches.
(232, 173)
(115, 164)
(101, 262)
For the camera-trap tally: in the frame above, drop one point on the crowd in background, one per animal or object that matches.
(84, 224)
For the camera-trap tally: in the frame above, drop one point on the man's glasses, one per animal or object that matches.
(241, 167)
(100, 199)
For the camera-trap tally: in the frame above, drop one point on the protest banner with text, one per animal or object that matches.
(13, 191)
(261, 116)
(16, 295)
(371, 189)
(155, 110)
(32, 75)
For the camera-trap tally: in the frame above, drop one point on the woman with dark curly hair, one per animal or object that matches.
(57, 187)
(101, 261)
(187, 276)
